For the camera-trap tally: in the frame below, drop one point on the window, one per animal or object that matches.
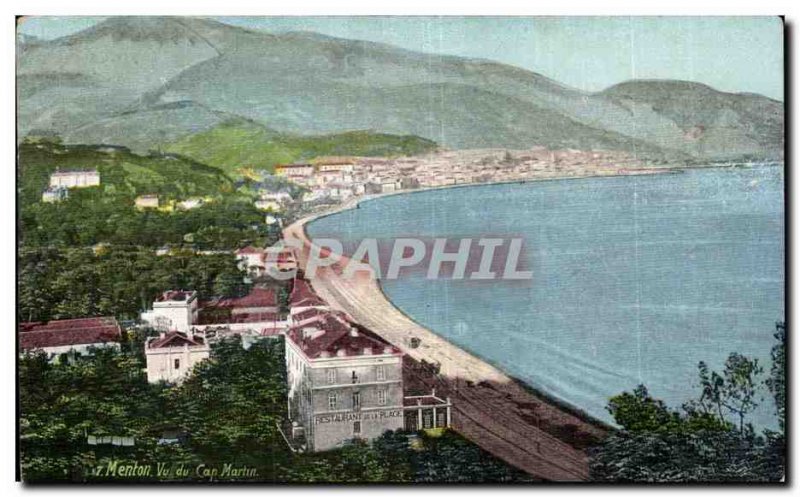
(357, 428)
(356, 400)
(333, 400)
(354, 377)
(177, 364)
(331, 376)
(380, 372)
(381, 397)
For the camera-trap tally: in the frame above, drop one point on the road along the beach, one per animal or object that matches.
(491, 409)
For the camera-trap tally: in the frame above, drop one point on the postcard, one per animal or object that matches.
(400, 250)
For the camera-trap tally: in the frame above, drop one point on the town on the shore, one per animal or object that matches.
(345, 382)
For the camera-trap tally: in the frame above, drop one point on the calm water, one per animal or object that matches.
(636, 279)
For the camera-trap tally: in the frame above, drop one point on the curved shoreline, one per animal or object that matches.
(500, 413)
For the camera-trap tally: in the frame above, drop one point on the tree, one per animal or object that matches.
(734, 392)
(696, 443)
(638, 412)
(777, 379)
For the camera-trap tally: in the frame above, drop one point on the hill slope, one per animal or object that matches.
(85, 84)
(238, 144)
(121, 172)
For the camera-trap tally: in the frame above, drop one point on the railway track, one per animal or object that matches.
(484, 415)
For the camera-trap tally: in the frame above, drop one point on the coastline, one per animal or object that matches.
(502, 414)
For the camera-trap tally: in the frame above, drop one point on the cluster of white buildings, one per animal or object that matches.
(344, 382)
(342, 178)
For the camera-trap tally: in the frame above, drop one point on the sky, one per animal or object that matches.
(737, 54)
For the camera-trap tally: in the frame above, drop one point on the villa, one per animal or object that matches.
(79, 178)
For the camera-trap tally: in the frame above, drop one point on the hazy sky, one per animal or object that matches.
(590, 53)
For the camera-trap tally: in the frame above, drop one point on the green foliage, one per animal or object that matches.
(448, 458)
(89, 217)
(683, 457)
(239, 144)
(699, 443)
(106, 214)
(233, 404)
(638, 412)
(121, 171)
(732, 392)
(777, 379)
(452, 459)
(60, 404)
(229, 408)
(119, 281)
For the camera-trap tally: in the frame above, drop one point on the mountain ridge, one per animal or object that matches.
(311, 83)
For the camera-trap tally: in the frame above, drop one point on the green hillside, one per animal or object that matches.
(106, 213)
(236, 145)
(122, 172)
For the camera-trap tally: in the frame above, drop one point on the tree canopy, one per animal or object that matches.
(708, 439)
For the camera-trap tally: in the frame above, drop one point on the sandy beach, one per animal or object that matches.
(506, 418)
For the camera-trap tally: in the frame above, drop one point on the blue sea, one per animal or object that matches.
(635, 279)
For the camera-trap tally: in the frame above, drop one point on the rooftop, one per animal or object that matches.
(37, 335)
(175, 339)
(67, 172)
(258, 297)
(176, 296)
(302, 293)
(334, 335)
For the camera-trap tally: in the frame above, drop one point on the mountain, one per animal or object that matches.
(141, 82)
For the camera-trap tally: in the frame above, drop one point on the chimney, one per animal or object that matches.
(162, 334)
(341, 353)
(367, 350)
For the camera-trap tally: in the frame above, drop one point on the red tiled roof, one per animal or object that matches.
(303, 293)
(175, 339)
(258, 297)
(335, 333)
(38, 335)
(309, 314)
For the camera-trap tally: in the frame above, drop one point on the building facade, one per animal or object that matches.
(172, 356)
(75, 179)
(174, 310)
(345, 383)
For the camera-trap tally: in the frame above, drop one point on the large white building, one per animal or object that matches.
(172, 356)
(345, 383)
(75, 178)
(253, 314)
